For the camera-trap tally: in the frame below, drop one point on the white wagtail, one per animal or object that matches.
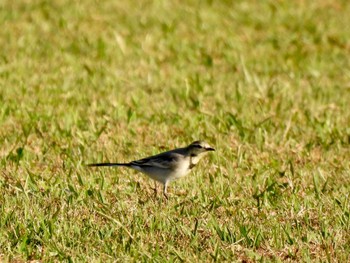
(168, 166)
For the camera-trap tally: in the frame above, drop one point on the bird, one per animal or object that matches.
(167, 166)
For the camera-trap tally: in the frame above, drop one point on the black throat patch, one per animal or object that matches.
(191, 164)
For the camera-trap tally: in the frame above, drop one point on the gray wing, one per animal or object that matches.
(163, 160)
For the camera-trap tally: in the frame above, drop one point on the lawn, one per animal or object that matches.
(267, 83)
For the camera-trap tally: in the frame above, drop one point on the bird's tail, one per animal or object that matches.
(108, 164)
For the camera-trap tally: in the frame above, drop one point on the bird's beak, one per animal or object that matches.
(210, 149)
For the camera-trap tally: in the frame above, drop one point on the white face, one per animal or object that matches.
(199, 147)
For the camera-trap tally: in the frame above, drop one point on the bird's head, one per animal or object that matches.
(199, 147)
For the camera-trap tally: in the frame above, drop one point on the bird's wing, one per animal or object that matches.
(164, 160)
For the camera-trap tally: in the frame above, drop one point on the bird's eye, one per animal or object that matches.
(197, 146)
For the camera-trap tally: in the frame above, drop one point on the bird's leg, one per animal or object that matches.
(165, 190)
(155, 189)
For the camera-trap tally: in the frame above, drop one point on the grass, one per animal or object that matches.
(265, 82)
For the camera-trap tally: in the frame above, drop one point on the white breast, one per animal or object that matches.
(182, 170)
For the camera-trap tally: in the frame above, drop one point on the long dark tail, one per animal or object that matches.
(108, 164)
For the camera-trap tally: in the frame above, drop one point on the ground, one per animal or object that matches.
(267, 83)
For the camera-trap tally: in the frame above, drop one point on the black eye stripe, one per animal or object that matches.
(197, 146)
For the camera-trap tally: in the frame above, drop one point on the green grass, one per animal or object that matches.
(265, 82)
